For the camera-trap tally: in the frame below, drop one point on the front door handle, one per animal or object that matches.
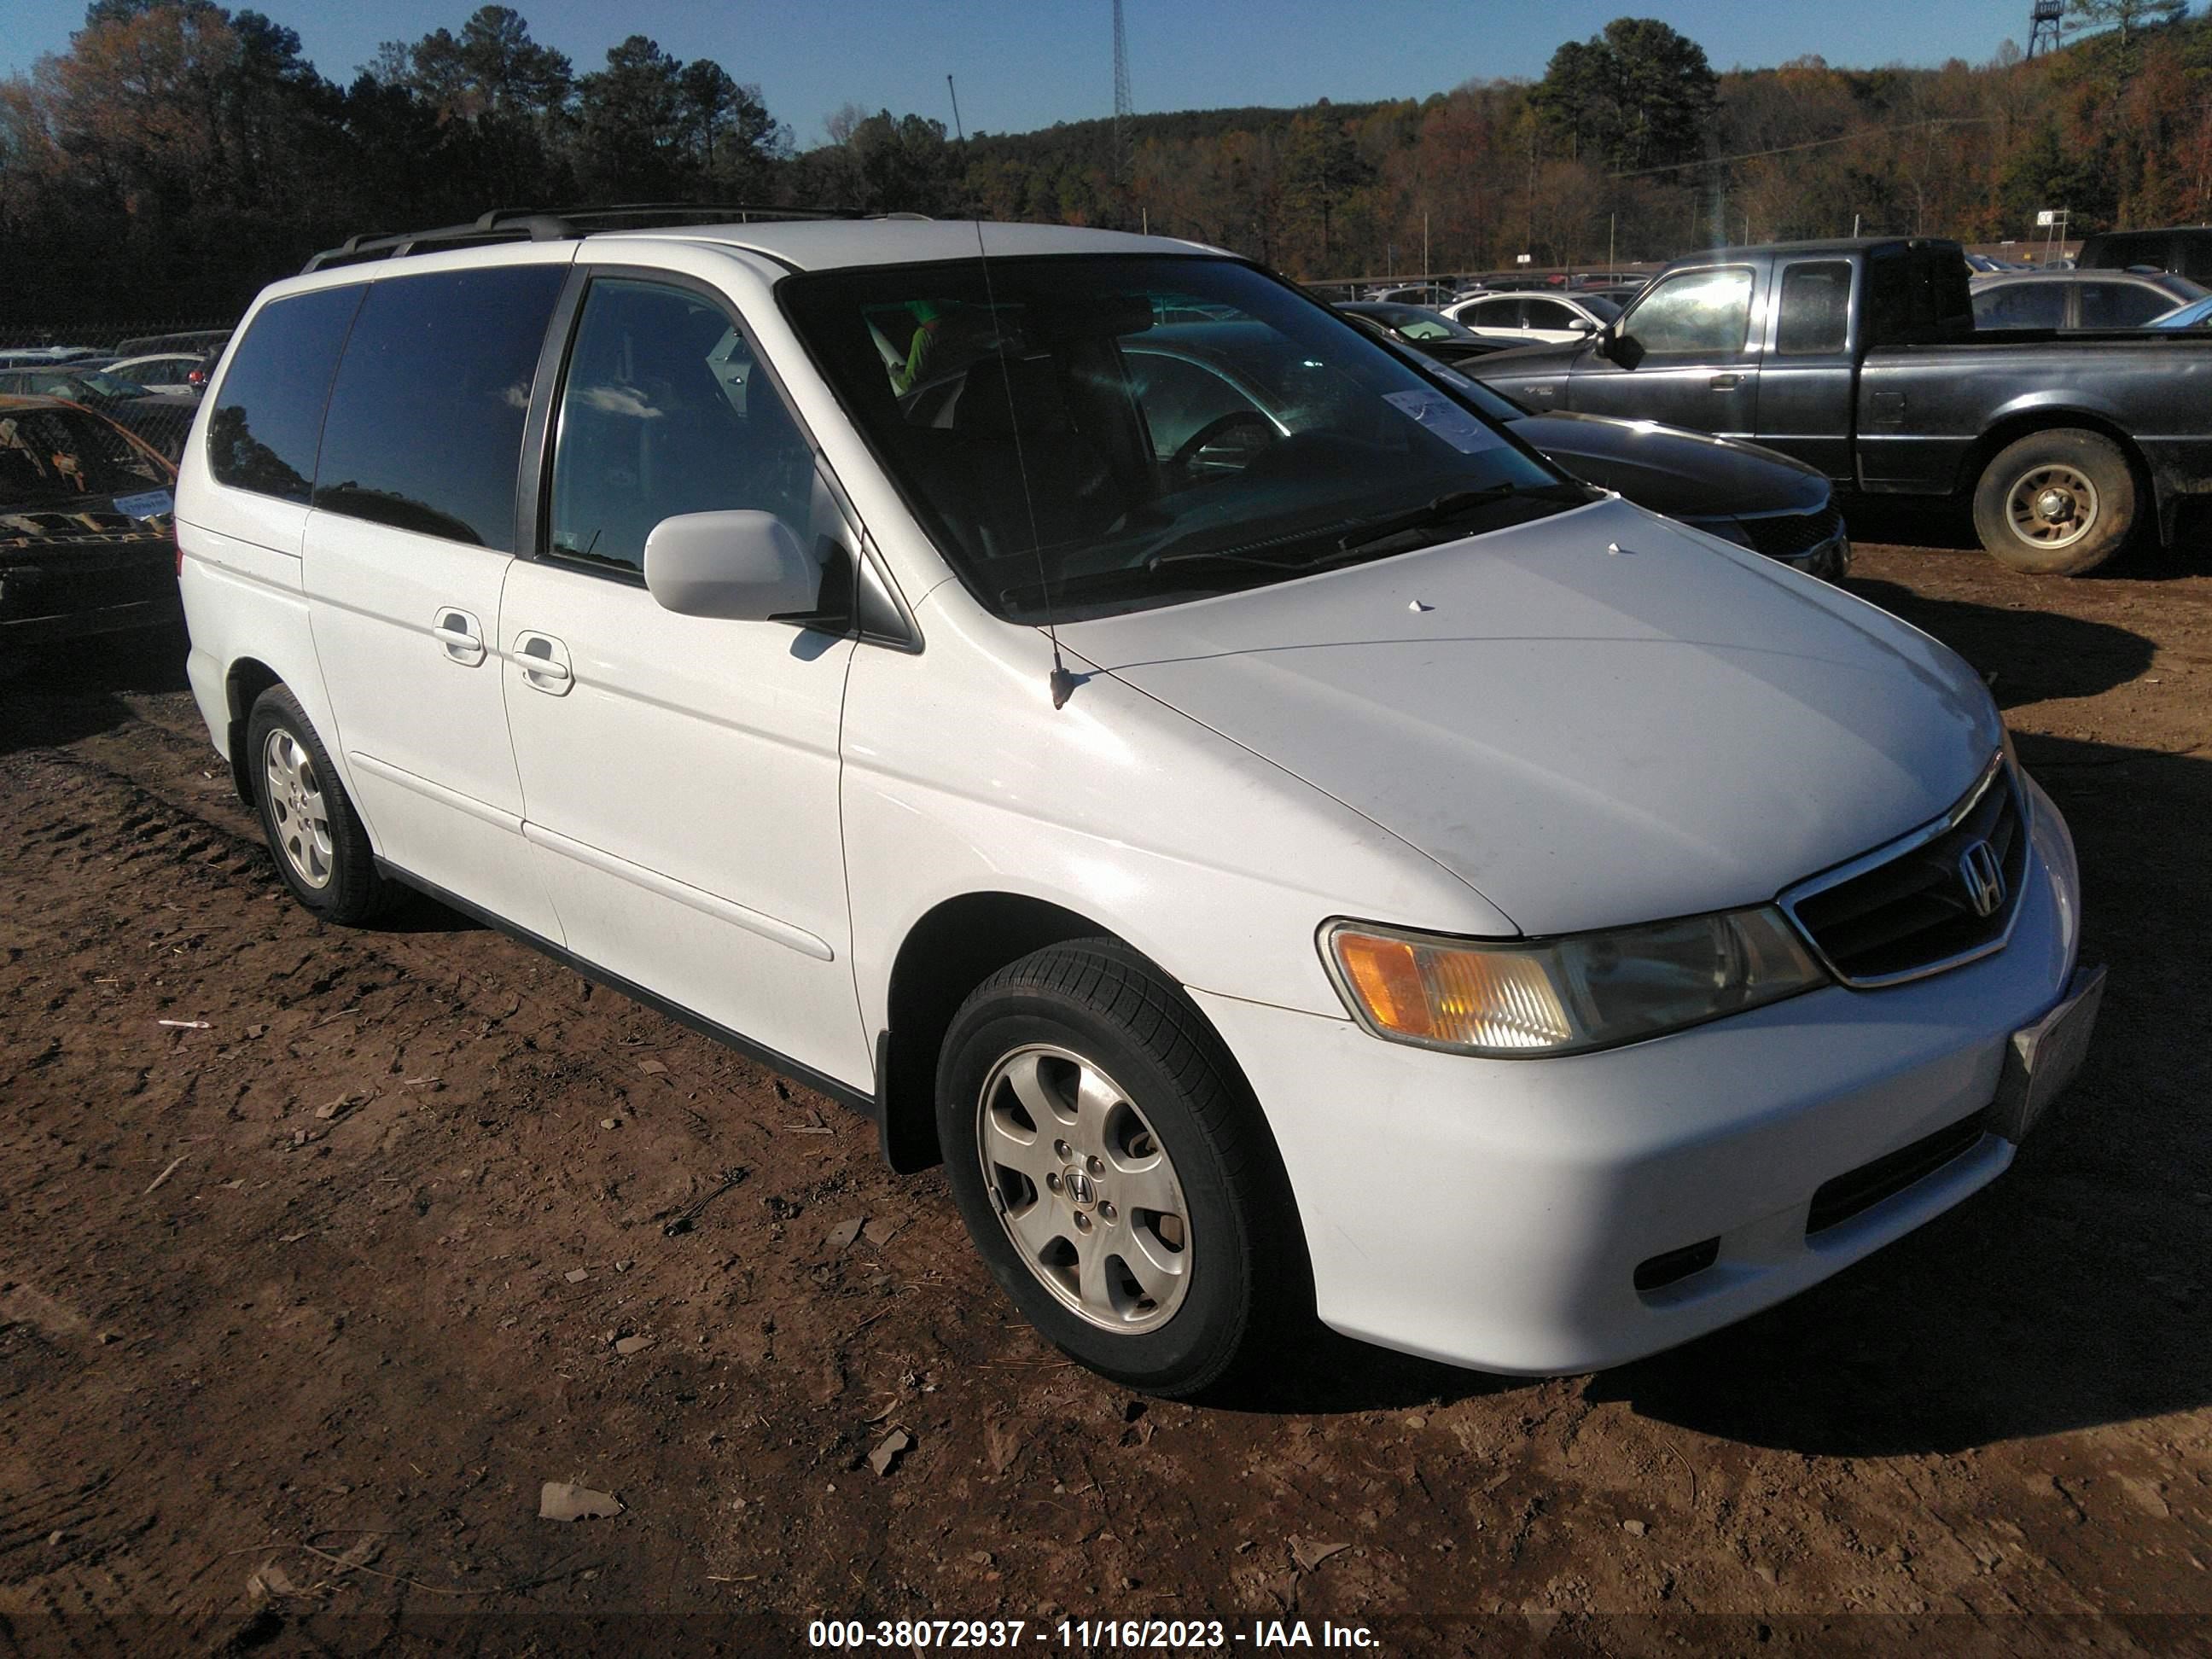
(1725, 382)
(461, 635)
(544, 661)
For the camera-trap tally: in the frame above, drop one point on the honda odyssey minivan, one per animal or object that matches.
(1324, 864)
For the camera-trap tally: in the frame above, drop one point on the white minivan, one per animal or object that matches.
(1284, 847)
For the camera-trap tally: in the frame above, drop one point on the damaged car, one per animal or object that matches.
(88, 539)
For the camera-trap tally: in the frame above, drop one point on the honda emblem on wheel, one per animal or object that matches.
(1983, 877)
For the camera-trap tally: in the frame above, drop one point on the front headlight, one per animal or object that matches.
(1515, 1000)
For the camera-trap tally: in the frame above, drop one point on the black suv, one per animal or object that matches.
(2184, 250)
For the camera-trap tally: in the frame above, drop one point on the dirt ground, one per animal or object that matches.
(299, 1308)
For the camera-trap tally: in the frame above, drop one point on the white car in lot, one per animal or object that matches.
(163, 372)
(1324, 864)
(1529, 317)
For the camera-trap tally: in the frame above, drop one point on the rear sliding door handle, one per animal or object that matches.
(461, 636)
(1725, 382)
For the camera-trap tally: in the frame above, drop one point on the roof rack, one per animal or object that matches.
(534, 225)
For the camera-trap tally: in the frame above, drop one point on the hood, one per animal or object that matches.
(1589, 739)
(1539, 359)
(1684, 475)
(1453, 350)
(105, 519)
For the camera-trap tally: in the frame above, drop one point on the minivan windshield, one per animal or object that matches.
(1085, 434)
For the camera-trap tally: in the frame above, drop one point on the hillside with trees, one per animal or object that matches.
(181, 154)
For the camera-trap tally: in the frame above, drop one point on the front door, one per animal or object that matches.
(680, 773)
(1682, 356)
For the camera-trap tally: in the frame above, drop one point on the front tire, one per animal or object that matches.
(2056, 503)
(1114, 1172)
(321, 850)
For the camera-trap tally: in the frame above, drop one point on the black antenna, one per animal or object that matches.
(1063, 683)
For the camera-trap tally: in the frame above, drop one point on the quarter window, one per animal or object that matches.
(1816, 308)
(425, 429)
(2021, 305)
(1697, 314)
(268, 417)
(667, 410)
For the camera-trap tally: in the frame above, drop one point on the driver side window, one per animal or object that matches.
(666, 411)
(1699, 314)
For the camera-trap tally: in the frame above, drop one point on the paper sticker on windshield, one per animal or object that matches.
(152, 504)
(1445, 418)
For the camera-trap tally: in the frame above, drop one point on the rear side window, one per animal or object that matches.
(1816, 307)
(268, 417)
(425, 427)
(1916, 295)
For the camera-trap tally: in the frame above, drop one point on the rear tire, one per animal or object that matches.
(2056, 503)
(1115, 1173)
(321, 850)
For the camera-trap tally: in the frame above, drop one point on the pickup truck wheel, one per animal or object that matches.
(321, 850)
(2056, 503)
(1112, 1173)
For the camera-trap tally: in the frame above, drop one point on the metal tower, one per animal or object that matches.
(2043, 21)
(1123, 109)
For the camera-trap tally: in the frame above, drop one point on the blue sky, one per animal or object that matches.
(1026, 64)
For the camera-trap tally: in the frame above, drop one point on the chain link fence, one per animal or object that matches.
(146, 377)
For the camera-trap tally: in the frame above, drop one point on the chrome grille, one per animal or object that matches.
(1911, 908)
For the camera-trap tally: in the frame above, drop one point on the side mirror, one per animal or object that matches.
(1583, 326)
(737, 567)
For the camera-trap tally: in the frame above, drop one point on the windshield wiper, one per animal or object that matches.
(1362, 536)
(1448, 506)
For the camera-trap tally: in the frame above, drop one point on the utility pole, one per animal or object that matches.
(1123, 106)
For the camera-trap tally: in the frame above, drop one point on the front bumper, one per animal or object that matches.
(1496, 1213)
(1830, 561)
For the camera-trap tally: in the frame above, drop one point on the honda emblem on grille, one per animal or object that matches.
(1983, 877)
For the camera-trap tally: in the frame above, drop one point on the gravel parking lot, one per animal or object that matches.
(300, 1307)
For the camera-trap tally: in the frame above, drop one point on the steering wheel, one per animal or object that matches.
(1212, 432)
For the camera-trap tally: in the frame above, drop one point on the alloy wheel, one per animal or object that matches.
(298, 815)
(1084, 1189)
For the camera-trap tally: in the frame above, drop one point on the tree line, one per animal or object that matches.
(179, 154)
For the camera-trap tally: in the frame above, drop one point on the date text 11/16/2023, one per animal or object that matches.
(1187, 1635)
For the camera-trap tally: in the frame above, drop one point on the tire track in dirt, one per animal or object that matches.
(376, 1325)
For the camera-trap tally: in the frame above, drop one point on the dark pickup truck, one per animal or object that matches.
(1861, 358)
